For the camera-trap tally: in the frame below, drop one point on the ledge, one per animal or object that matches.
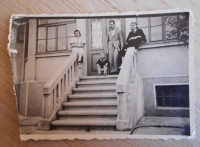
(52, 54)
(172, 108)
(160, 44)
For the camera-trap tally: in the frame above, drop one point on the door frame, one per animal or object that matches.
(105, 26)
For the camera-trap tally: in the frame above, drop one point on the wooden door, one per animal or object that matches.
(97, 30)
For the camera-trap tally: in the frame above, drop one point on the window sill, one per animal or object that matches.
(52, 54)
(160, 44)
(172, 108)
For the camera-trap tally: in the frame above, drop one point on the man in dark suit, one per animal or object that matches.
(115, 43)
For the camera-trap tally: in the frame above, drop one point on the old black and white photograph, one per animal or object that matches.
(102, 76)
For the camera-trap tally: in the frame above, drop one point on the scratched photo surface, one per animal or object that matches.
(117, 75)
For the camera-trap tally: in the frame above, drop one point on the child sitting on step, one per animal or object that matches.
(102, 64)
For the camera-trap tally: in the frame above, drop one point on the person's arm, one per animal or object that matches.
(128, 38)
(143, 37)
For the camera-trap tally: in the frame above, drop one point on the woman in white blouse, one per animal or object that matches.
(77, 43)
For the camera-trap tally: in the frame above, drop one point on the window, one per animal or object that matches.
(172, 95)
(158, 28)
(54, 34)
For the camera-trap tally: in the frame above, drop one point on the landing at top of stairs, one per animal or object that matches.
(99, 77)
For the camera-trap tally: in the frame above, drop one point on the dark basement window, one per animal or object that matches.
(172, 95)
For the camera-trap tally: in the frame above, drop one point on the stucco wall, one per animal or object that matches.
(46, 67)
(162, 66)
(172, 60)
(149, 96)
(31, 99)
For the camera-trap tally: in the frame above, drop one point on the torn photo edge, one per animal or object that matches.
(121, 136)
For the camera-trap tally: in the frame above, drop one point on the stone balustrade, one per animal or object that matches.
(129, 92)
(57, 88)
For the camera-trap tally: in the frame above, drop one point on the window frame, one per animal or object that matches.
(169, 108)
(149, 39)
(56, 24)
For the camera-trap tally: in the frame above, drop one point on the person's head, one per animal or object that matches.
(77, 33)
(112, 24)
(102, 55)
(134, 26)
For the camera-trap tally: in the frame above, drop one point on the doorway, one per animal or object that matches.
(97, 30)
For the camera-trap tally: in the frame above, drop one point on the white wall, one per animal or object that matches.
(46, 67)
(164, 61)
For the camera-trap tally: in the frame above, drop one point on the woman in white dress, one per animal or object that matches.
(77, 43)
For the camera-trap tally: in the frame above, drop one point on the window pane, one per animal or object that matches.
(42, 21)
(156, 33)
(174, 95)
(156, 21)
(70, 32)
(42, 33)
(41, 46)
(159, 91)
(70, 29)
(62, 44)
(97, 37)
(159, 101)
(142, 22)
(167, 102)
(62, 31)
(184, 101)
(51, 32)
(175, 101)
(51, 20)
(51, 45)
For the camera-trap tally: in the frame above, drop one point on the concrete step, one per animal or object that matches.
(100, 83)
(91, 96)
(85, 122)
(98, 78)
(93, 90)
(88, 112)
(59, 117)
(90, 103)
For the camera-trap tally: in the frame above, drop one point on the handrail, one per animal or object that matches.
(53, 81)
(57, 88)
(129, 92)
(125, 70)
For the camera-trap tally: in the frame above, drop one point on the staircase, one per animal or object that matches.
(93, 103)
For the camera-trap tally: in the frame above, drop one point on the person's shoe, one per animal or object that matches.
(104, 74)
(99, 74)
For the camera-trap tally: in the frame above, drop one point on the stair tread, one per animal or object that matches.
(97, 82)
(92, 103)
(99, 77)
(86, 121)
(88, 112)
(94, 88)
(92, 95)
